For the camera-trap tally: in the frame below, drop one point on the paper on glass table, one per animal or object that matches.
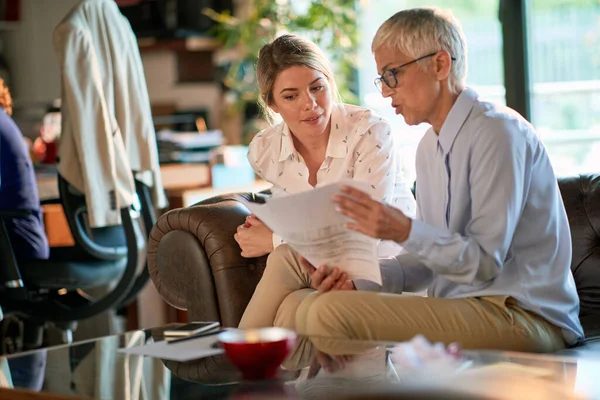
(186, 350)
(309, 223)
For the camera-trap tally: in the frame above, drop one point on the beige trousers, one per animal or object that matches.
(284, 298)
(282, 288)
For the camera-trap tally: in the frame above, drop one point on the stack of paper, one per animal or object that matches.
(310, 224)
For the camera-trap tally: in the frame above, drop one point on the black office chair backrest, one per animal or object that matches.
(130, 243)
(106, 243)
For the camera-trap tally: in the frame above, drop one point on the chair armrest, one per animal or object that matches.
(14, 213)
(50, 201)
(196, 264)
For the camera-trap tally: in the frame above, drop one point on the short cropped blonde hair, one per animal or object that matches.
(420, 31)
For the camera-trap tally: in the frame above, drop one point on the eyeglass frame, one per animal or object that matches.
(383, 80)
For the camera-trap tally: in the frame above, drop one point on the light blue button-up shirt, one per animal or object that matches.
(490, 218)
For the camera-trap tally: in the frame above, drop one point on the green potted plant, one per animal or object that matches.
(329, 23)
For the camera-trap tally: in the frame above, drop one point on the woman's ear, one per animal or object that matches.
(443, 64)
(274, 108)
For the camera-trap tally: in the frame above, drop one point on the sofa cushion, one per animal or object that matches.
(581, 196)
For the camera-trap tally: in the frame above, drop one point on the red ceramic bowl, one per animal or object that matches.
(257, 353)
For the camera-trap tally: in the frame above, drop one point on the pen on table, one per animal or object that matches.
(183, 339)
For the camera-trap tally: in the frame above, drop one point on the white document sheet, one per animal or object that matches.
(309, 223)
(186, 350)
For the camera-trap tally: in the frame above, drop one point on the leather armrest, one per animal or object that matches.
(581, 197)
(196, 264)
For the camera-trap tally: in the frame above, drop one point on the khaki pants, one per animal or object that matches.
(282, 288)
(283, 298)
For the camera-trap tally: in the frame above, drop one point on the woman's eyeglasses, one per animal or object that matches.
(389, 77)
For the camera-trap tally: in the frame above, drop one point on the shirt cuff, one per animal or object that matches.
(366, 286)
(420, 236)
(277, 240)
(391, 275)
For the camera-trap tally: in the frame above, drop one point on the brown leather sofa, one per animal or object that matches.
(196, 264)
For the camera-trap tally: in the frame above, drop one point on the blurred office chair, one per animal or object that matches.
(53, 292)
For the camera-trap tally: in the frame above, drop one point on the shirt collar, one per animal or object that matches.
(335, 147)
(456, 118)
(287, 143)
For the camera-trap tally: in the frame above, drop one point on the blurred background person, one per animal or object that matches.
(18, 190)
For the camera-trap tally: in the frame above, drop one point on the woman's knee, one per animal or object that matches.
(283, 256)
(287, 311)
(302, 312)
(323, 315)
(279, 254)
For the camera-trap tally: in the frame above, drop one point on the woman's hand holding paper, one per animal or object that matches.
(371, 217)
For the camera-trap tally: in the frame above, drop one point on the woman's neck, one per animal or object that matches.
(445, 103)
(312, 148)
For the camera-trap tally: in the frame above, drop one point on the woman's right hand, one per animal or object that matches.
(371, 217)
(254, 238)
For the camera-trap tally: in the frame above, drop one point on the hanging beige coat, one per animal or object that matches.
(107, 128)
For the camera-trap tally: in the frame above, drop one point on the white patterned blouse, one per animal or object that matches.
(361, 147)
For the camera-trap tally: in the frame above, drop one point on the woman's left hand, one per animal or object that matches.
(371, 217)
(323, 281)
(254, 237)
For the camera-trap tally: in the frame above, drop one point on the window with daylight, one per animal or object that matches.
(558, 87)
(564, 75)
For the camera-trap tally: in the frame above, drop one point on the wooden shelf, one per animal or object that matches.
(190, 44)
(9, 25)
(194, 56)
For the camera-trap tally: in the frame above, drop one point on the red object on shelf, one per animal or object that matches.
(12, 10)
(126, 3)
(51, 153)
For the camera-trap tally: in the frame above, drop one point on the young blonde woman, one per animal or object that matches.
(319, 141)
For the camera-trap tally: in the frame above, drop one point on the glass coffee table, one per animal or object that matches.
(317, 368)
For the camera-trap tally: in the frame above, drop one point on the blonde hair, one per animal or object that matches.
(5, 97)
(282, 53)
(420, 31)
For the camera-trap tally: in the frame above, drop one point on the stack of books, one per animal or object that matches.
(187, 147)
